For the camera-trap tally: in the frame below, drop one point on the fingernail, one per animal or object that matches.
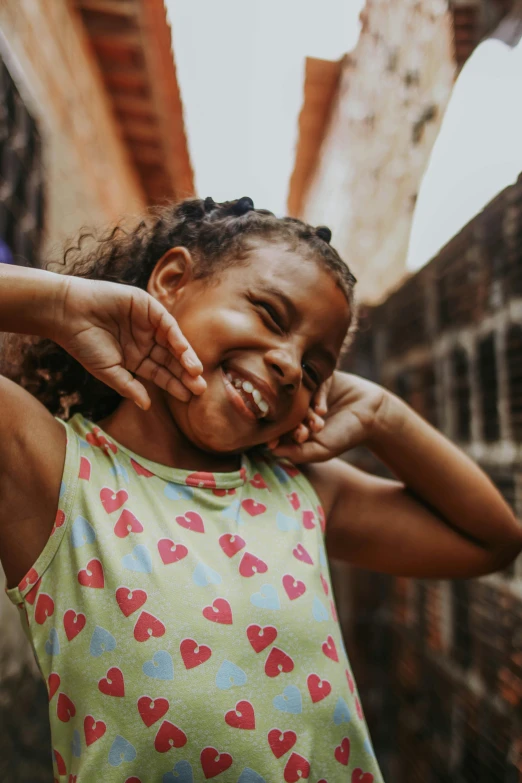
(190, 360)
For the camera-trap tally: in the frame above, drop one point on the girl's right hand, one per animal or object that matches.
(118, 332)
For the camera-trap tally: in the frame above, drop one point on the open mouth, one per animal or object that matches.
(251, 397)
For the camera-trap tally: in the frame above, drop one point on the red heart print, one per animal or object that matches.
(243, 717)
(308, 520)
(261, 638)
(93, 729)
(281, 741)
(220, 493)
(201, 479)
(351, 684)
(30, 578)
(60, 763)
(332, 609)
(290, 469)
(85, 469)
(250, 565)
(358, 776)
(127, 523)
(59, 519)
(95, 438)
(231, 544)
(44, 608)
(278, 662)
(330, 649)
(65, 709)
(191, 521)
(296, 768)
(325, 585)
(73, 623)
(294, 501)
(72, 778)
(53, 683)
(342, 752)
(148, 626)
(358, 709)
(253, 508)
(219, 612)
(171, 552)
(194, 654)
(112, 500)
(133, 780)
(169, 736)
(140, 470)
(113, 683)
(151, 710)
(322, 518)
(213, 762)
(319, 689)
(92, 574)
(30, 596)
(301, 554)
(258, 481)
(129, 600)
(293, 587)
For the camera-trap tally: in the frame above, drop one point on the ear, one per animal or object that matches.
(170, 275)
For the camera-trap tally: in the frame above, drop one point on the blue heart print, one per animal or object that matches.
(101, 642)
(62, 489)
(76, 744)
(281, 474)
(368, 747)
(289, 701)
(82, 532)
(182, 773)
(205, 575)
(178, 492)
(160, 667)
(341, 712)
(232, 512)
(285, 523)
(138, 560)
(119, 470)
(322, 556)
(229, 675)
(267, 598)
(319, 611)
(249, 776)
(121, 751)
(52, 645)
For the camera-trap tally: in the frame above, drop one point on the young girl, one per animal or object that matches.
(169, 568)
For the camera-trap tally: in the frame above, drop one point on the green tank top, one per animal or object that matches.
(185, 626)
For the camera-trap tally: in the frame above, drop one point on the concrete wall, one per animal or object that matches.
(439, 664)
(393, 92)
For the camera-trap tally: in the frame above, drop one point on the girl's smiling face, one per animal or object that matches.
(268, 332)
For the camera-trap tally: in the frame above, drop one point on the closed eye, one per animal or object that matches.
(312, 374)
(273, 315)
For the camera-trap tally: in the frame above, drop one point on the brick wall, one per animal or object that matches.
(439, 664)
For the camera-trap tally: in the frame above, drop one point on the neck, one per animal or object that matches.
(154, 435)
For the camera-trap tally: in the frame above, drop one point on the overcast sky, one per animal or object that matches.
(241, 67)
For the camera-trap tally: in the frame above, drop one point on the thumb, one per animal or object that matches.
(123, 382)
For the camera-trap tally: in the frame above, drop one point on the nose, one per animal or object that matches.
(285, 366)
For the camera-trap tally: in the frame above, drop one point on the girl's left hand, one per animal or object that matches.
(353, 405)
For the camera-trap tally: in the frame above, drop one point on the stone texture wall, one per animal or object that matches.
(439, 664)
(87, 175)
(393, 92)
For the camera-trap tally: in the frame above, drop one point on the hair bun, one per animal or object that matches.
(324, 233)
(243, 205)
(209, 204)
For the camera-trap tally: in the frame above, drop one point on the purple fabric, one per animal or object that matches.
(6, 257)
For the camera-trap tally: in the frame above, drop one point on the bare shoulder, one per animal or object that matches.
(32, 455)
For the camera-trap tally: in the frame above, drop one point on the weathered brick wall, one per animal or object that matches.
(439, 664)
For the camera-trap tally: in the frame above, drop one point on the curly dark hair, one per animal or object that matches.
(216, 234)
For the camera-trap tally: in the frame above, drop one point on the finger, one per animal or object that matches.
(158, 374)
(301, 452)
(161, 356)
(315, 422)
(273, 444)
(168, 333)
(301, 433)
(121, 380)
(321, 401)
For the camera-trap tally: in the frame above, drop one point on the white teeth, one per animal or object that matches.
(229, 377)
(237, 383)
(247, 386)
(257, 396)
(263, 406)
